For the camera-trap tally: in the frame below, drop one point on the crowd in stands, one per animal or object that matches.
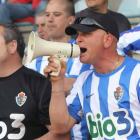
(71, 114)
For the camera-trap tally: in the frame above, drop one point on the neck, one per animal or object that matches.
(62, 39)
(8, 68)
(102, 9)
(107, 65)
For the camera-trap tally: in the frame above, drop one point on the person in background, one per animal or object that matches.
(109, 95)
(14, 10)
(129, 41)
(40, 20)
(25, 94)
(99, 7)
(56, 32)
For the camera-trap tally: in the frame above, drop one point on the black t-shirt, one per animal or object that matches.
(122, 22)
(24, 105)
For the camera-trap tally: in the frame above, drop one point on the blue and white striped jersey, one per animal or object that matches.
(129, 41)
(109, 102)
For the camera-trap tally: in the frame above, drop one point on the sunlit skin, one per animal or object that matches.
(93, 42)
(57, 20)
(41, 28)
(99, 6)
(99, 46)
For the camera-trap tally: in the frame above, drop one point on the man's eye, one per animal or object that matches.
(86, 34)
(57, 15)
(47, 15)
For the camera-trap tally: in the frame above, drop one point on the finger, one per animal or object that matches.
(51, 59)
(63, 64)
(47, 69)
(53, 65)
(63, 68)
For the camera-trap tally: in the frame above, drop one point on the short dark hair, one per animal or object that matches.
(69, 7)
(10, 33)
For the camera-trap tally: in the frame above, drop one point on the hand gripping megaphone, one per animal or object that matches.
(60, 51)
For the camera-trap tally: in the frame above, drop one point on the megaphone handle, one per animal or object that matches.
(57, 61)
(57, 58)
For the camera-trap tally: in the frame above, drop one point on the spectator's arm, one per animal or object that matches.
(68, 84)
(52, 136)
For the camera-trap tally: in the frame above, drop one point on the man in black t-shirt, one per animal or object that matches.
(98, 7)
(24, 94)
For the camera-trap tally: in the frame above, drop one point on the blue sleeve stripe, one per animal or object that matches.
(38, 63)
(134, 46)
(73, 114)
(136, 29)
(138, 90)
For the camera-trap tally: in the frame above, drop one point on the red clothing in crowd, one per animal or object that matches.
(34, 2)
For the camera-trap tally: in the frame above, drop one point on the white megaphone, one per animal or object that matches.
(60, 51)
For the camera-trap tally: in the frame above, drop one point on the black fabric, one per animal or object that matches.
(37, 89)
(104, 20)
(122, 22)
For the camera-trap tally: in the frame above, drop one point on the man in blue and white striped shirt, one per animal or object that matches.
(108, 96)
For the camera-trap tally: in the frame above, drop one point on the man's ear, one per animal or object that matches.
(71, 20)
(12, 47)
(108, 40)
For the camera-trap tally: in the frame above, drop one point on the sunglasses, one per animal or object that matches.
(89, 22)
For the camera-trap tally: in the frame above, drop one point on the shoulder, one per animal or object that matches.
(84, 75)
(122, 21)
(129, 37)
(117, 15)
(82, 13)
(32, 75)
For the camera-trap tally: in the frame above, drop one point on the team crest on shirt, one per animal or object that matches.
(118, 93)
(21, 98)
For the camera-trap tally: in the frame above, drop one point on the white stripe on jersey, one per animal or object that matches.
(44, 63)
(134, 102)
(76, 67)
(77, 134)
(113, 103)
(94, 102)
(32, 65)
